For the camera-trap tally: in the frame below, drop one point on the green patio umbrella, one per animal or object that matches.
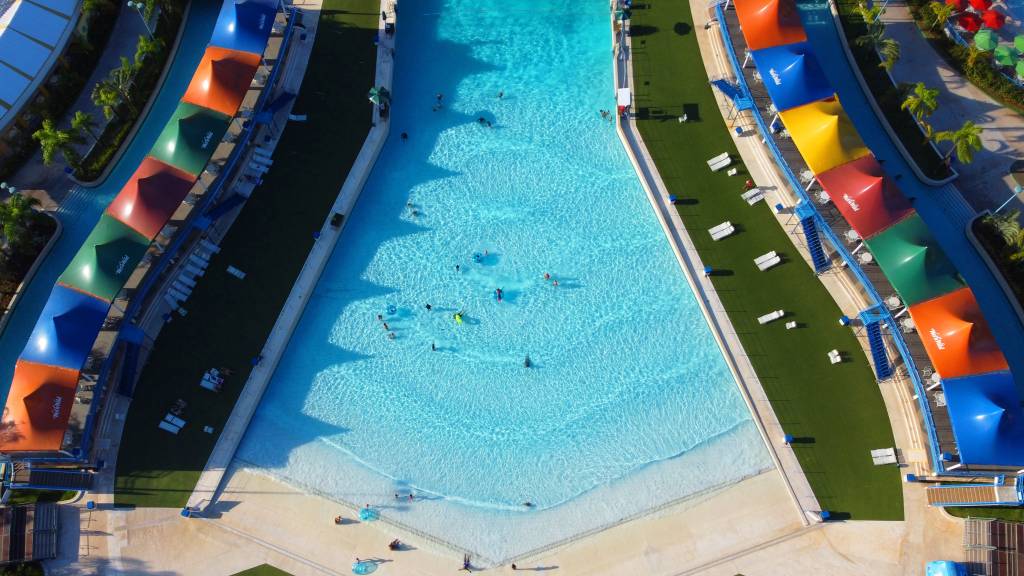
(106, 259)
(1018, 43)
(379, 95)
(190, 137)
(913, 262)
(986, 39)
(1020, 68)
(1005, 55)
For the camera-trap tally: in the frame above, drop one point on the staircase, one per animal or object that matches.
(821, 262)
(883, 369)
(26, 476)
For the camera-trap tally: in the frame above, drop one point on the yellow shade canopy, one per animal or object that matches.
(824, 134)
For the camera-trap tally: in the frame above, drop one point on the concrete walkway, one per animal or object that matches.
(985, 182)
(50, 184)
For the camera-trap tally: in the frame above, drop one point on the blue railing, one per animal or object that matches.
(179, 239)
(840, 249)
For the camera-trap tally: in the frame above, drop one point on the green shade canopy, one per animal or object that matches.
(1005, 56)
(986, 39)
(1020, 68)
(379, 95)
(106, 259)
(190, 137)
(911, 258)
(1018, 42)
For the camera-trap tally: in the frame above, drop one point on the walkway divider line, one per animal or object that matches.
(224, 451)
(718, 321)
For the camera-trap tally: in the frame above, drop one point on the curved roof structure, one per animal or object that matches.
(244, 25)
(792, 75)
(190, 137)
(64, 334)
(768, 23)
(956, 336)
(106, 259)
(866, 197)
(39, 405)
(987, 421)
(151, 197)
(222, 79)
(33, 34)
(824, 134)
(911, 258)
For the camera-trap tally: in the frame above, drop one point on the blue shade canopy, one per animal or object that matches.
(244, 25)
(987, 419)
(65, 332)
(792, 75)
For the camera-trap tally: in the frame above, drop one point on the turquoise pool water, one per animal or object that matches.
(82, 207)
(628, 403)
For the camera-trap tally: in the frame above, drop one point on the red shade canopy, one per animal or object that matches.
(38, 408)
(981, 5)
(958, 5)
(151, 196)
(969, 21)
(993, 19)
(769, 23)
(956, 336)
(222, 79)
(867, 198)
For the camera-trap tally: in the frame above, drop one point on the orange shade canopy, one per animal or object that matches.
(222, 79)
(956, 336)
(769, 23)
(38, 408)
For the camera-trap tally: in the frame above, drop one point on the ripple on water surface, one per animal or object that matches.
(628, 396)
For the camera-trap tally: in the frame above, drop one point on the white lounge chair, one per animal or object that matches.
(719, 162)
(197, 260)
(236, 272)
(835, 357)
(186, 281)
(177, 285)
(766, 261)
(213, 248)
(770, 317)
(722, 230)
(165, 425)
(209, 385)
(753, 196)
(194, 270)
(791, 324)
(174, 420)
(884, 456)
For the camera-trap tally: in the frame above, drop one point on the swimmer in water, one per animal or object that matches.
(433, 347)
(555, 283)
(457, 267)
(428, 306)
(526, 364)
(386, 326)
(498, 292)
(391, 335)
(547, 276)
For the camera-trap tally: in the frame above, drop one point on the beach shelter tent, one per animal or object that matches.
(38, 407)
(956, 336)
(993, 19)
(792, 75)
(913, 262)
(824, 134)
(981, 5)
(244, 25)
(866, 197)
(986, 40)
(66, 329)
(1005, 55)
(106, 259)
(222, 79)
(768, 23)
(969, 21)
(1018, 42)
(190, 137)
(958, 5)
(987, 420)
(151, 196)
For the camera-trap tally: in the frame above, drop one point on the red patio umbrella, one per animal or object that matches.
(981, 5)
(993, 19)
(958, 5)
(969, 21)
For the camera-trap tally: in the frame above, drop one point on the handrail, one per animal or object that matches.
(847, 257)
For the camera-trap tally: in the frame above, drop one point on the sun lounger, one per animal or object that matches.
(194, 270)
(179, 296)
(766, 261)
(884, 456)
(186, 281)
(753, 196)
(258, 168)
(835, 357)
(165, 425)
(171, 301)
(719, 162)
(261, 151)
(174, 420)
(180, 287)
(770, 317)
(791, 324)
(236, 272)
(297, 117)
(722, 230)
(209, 385)
(197, 261)
(213, 248)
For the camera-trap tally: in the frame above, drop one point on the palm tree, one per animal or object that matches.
(145, 47)
(52, 140)
(940, 13)
(921, 102)
(106, 96)
(84, 122)
(973, 54)
(889, 50)
(966, 141)
(15, 216)
(871, 15)
(121, 79)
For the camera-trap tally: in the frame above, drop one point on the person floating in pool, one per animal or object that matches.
(547, 276)
(428, 307)
(477, 257)
(433, 347)
(391, 335)
(457, 267)
(526, 364)
(501, 94)
(481, 120)
(458, 317)
(405, 136)
(386, 326)
(499, 293)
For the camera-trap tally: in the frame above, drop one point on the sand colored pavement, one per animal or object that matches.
(985, 182)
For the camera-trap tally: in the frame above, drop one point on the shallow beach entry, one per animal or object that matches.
(509, 173)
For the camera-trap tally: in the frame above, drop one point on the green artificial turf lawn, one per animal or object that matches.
(835, 412)
(229, 319)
